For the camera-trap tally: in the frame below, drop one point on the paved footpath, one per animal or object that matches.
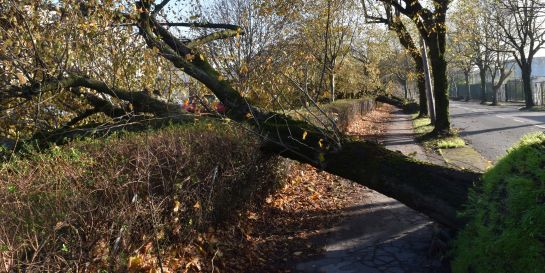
(379, 234)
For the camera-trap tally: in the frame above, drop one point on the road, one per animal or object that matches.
(491, 130)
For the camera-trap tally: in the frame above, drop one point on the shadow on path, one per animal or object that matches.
(378, 233)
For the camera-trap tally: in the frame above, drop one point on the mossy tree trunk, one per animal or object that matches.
(434, 190)
(436, 45)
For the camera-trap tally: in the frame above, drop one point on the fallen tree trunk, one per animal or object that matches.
(439, 192)
(407, 106)
(434, 190)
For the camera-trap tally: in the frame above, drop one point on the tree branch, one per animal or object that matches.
(202, 25)
(160, 6)
(224, 34)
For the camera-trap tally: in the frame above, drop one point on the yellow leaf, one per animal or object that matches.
(244, 69)
(189, 57)
(176, 206)
(135, 263)
(197, 205)
(21, 77)
(321, 143)
(305, 133)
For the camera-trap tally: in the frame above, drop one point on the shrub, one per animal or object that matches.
(90, 205)
(506, 231)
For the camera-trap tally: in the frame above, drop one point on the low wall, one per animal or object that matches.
(345, 112)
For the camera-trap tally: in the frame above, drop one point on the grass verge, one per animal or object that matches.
(423, 127)
(506, 213)
(539, 108)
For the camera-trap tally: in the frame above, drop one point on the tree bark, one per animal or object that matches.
(482, 74)
(436, 191)
(526, 70)
(421, 83)
(468, 87)
(495, 95)
(405, 90)
(440, 85)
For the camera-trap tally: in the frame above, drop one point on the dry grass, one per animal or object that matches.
(106, 205)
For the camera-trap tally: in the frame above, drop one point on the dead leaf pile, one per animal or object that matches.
(273, 237)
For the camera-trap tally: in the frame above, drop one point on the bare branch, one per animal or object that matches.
(160, 6)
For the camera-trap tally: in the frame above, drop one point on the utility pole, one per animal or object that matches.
(429, 91)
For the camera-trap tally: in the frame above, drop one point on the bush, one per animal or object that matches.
(90, 205)
(506, 231)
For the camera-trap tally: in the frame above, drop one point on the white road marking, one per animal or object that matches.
(518, 120)
(499, 116)
(540, 126)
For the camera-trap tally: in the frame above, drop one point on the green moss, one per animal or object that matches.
(450, 142)
(506, 229)
(422, 126)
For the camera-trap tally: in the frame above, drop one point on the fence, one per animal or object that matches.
(461, 90)
(511, 91)
(514, 91)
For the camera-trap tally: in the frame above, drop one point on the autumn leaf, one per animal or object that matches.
(176, 206)
(189, 57)
(244, 69)
(22, 79)
(135, 263)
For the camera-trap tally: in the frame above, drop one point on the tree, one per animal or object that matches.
(431, 24)
(331, 28)
(434, 190)
(523, 29)
(501, 66)
(336, 157)
(461, 55)
(395, 23)
(472, 19)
